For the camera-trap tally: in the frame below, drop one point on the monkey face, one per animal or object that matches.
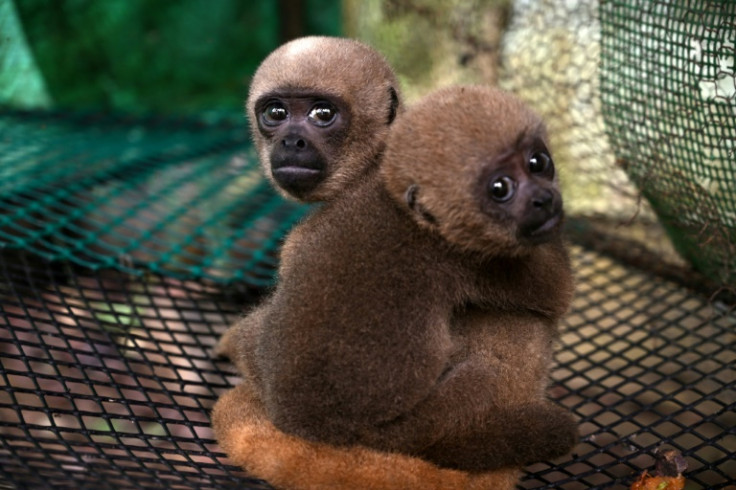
(471, 163)
(320, 110)
(520, 189)
(302, 133)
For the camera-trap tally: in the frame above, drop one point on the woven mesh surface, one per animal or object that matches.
(668, 89)
(148, 195)
(106, 380)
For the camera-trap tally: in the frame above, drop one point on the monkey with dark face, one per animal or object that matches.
(427, 327)
(320, 109)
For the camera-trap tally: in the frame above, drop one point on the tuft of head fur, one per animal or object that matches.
(439, 152)
(336, 67)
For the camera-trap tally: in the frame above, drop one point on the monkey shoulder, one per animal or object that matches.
(362, 237)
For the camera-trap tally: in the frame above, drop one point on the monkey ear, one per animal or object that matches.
(393, 104)
(411, 196)
(422, 214)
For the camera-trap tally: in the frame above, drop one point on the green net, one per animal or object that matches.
(668, 90)
(180, 197)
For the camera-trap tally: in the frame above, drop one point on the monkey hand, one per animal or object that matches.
(226, 346)
(289, 462)
(514, 437)
(238, 343)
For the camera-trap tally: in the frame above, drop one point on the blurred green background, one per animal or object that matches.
(167, 56)
(197, 56)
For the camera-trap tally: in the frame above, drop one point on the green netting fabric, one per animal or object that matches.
(128, 195)
(668, 88)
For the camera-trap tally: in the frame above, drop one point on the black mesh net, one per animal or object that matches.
(128, 245)
(107, 380)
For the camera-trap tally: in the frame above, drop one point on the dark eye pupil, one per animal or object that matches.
(502, 189)
(274, 113)
(323, 114)
(539, 162)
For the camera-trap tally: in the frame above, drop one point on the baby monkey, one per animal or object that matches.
(416, 314)
(319, 109)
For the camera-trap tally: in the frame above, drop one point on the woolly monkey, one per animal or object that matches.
(416, 313)
(319, 108)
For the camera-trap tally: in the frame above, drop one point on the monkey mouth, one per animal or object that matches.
(298, 180)
(541, 232)
(296, 172)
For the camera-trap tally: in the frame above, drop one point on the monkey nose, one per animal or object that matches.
(543, 199)
(294, 142)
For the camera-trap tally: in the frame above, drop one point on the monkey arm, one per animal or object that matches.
(238, 343)
(540, 282)
(490, 409)
(285, 461)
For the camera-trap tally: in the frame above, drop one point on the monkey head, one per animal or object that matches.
(320, 110)
(472, 163)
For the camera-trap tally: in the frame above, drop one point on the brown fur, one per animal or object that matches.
(383, 333)
(328, 67)
(238, 343)
(289, 462)
(331, 67)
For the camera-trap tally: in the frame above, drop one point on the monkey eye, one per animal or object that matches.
(274, 114)
(502, 189)
(323, 114)
(540, 163)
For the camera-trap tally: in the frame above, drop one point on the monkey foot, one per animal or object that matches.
(289, 462)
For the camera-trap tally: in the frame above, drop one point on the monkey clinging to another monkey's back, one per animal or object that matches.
(416, 313)
(320, 109)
